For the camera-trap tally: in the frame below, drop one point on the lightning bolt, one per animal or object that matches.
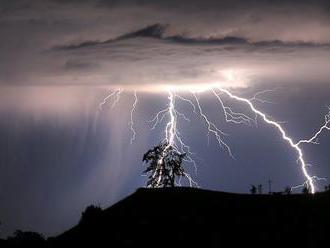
(258, 99)
(240, 118)
(131, 123)
(172, 135)
(325, 126)
(295, 146)
(117, 97)
(174, 139)
(170, 129)
(212, 128)
(232, 116)
(116, 94)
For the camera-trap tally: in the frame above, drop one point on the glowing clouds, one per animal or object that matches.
(228, 78)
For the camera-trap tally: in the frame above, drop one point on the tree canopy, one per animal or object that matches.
(164, 163)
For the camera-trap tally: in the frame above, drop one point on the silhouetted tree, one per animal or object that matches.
(164, 164)
(253, 189)
(260, 189)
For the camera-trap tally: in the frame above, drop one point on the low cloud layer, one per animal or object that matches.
(164, 42)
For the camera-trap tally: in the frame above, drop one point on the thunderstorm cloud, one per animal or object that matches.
(59, 59)
(138, 43)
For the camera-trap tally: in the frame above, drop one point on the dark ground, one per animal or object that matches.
(185, 217)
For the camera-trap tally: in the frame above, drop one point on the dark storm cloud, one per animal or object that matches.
(105, 34)
(152, 55)
(154, 58)
(157, 31)
(153, 31)
(195, 18)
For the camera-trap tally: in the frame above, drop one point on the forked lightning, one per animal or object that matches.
(174, 139)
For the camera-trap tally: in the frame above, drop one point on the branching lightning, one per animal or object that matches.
(257, 95)
(309, 179)
(212, 128)
(172, 134)
(313, 139)
(116, 94)
(174, 139)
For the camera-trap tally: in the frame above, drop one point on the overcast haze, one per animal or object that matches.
(59, 60)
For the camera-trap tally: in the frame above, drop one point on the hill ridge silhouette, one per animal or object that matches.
(197, 217)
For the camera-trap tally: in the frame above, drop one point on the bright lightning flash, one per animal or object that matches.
(131, 123)
(285, 137)
(174, 139)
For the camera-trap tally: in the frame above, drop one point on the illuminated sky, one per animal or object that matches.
(59, 60)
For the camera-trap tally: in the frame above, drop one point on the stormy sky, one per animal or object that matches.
(60, 58)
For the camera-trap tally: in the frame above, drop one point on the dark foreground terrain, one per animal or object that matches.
(192, 217)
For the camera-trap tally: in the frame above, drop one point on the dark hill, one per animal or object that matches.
(194, 217)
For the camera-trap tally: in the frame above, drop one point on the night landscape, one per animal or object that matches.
(164, 123)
